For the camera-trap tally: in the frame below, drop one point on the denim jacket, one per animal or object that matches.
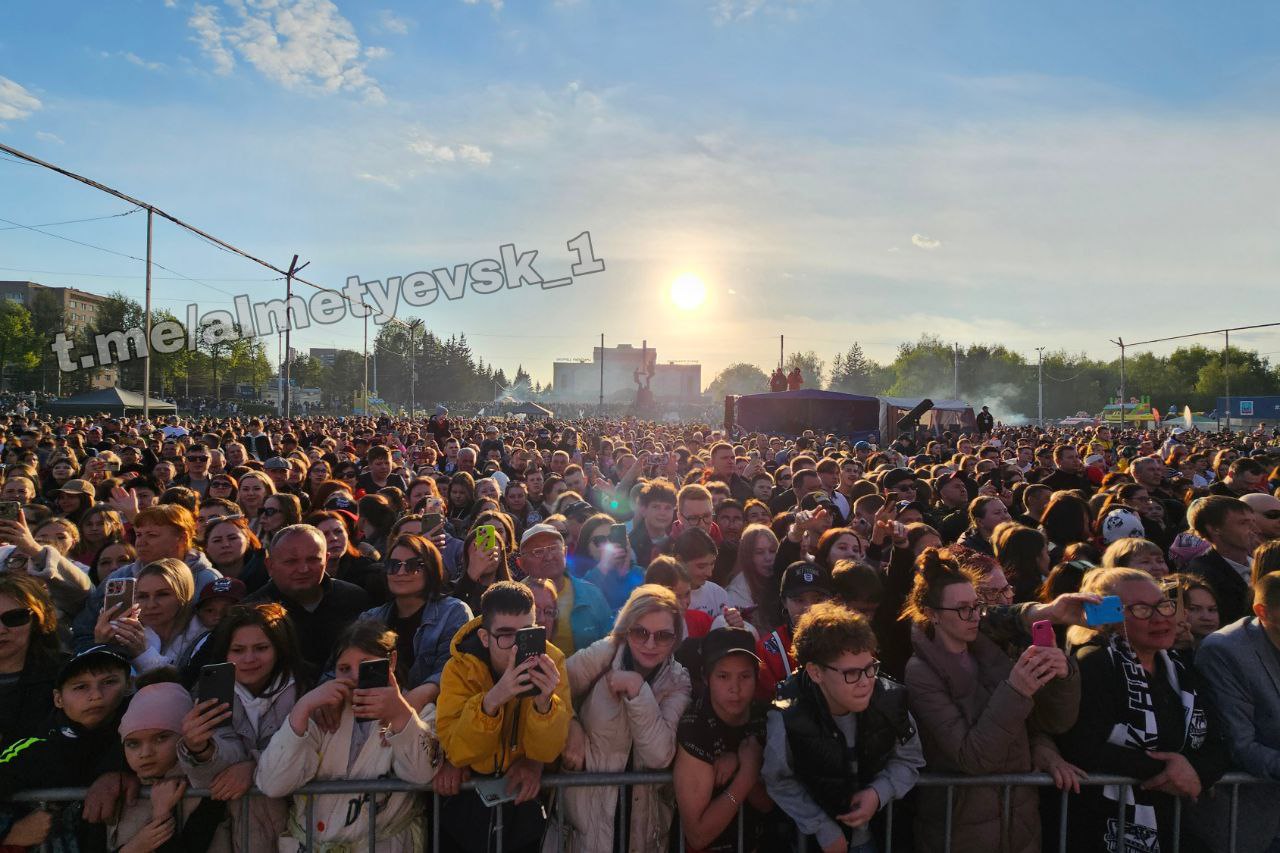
(441, 619)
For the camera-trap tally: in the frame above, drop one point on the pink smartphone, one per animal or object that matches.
(1042, 634)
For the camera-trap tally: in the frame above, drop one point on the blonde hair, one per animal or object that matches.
(1119, 553)
(645, 599)
(178, 575)
(1105, 581)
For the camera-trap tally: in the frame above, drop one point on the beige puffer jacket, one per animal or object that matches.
(642, 729)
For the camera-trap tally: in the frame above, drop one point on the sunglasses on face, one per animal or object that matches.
(599, 541)
(16, 618)
(411, 566)
(219, 484)
(641, 636)
(197, 458)
(268, 511)
(1168, 607)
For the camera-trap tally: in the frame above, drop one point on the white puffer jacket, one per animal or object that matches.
(642, 729)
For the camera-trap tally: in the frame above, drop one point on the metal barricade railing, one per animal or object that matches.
(1007, 782)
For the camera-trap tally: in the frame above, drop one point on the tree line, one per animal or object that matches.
(1192, 375)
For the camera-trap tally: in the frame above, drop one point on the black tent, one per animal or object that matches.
(792, 412)
(113, 401)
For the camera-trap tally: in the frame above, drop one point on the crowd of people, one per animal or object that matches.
(795, 626)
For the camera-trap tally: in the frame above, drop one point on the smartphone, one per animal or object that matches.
(431, 521)
(217, 681)
(493, 792)
(372, 675)
(1042, 634)
(119, 591)
(487, 537)
(10, 510)
(530, 642)
(1106, 612)
(618, 535)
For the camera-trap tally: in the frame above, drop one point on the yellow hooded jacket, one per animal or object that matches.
(488, 745)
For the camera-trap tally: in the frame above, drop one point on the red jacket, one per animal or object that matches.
(774, 651)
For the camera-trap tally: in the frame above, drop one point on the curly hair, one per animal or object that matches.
(828, 630)
(936, 569)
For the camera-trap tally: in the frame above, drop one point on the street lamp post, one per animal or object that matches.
(413, 324)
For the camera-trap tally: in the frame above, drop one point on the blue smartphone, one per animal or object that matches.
(1105, 612)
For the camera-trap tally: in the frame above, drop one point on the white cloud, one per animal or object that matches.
(728, 11)
(376, 52)
(45, 136)
(305, 45)
(926, 243)
(16, 102)
(133, 59)
(496, 4)
(391, 23)
(390, 183)
(171, 4)
(208, 34)
(426, 147)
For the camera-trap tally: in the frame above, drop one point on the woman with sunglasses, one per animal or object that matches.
(30, 657)
(422, 614)
(224, 486)
(979, 712)
(1145, 718)
(630, 693)
(67, 583)
(278, 510)
(349, 475)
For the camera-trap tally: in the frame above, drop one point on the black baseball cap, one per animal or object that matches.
(723, 642)
(99, 655)
(802, 576)
(813, 500)
(579, 508)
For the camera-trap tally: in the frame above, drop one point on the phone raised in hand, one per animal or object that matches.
(618, 534)
(430, 522)
(487, 537)
(217, 681)
(530, 642)
(372, 675)
(1105, 612)
(119, 591)
(1042, 634)
(10, 510)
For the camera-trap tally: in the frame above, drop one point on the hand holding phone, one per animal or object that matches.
(1042, 634)
(530, 643)
(1108, 611)
(218, 682)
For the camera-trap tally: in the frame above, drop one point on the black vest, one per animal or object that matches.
(821, 759)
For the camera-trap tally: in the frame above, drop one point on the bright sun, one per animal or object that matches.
(688, 292)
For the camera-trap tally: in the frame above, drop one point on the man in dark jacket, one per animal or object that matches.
(840, 743)
(1228, 525)
(319, 606)
(1068, 471)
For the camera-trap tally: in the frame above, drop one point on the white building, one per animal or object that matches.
(579, 380)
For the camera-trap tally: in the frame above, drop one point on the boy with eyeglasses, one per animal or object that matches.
(841, 743)
(499, 718)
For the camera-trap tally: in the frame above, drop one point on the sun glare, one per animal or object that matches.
(688, 292)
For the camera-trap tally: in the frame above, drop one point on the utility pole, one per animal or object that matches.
(294, 269)
(781, 339)
(413, 364)
(1226, 373)
(601, 407)
(1123, 396)
(364, 388)
(955, 386)
(146, 344)
(1040, 389)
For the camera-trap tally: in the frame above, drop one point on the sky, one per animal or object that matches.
(1027, 174)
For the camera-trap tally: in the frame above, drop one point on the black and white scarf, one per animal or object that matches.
(1139, 730)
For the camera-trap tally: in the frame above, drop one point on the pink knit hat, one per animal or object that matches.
(156, 706)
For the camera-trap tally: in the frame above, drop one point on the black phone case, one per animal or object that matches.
(530, 642)
(218, 681)
(374, 674)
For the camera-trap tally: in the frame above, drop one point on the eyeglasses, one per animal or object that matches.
(696, 519)
(268, 511)
(996, 593)
(641, 636)
(546, 552)
(853, 676)
(197, 458)
(1167, 607)
(411, 566)
(16, 618)
(504, 641)
(967, 612)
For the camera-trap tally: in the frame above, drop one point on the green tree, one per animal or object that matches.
(20, 343)
(853, 373)
(811, 367)
(738, 379)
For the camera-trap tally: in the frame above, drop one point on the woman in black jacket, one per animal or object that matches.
(30, 656)
(1144, 717)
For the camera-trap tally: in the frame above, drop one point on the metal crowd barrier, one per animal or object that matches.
(1007, 782)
